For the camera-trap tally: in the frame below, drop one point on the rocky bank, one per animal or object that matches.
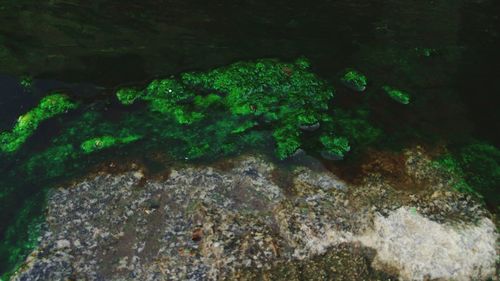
(250, 219)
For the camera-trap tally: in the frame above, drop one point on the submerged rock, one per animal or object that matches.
(245, 223)
(310, 127)
(354, 80)
(397, 95)
(420, 248)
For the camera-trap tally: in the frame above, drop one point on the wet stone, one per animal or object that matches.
(204, 223)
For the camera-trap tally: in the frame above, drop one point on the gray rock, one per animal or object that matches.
(203, 223)
(310, 127)
(62, 244)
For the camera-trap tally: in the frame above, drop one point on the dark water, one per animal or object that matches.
(89, 48)
(107, 43)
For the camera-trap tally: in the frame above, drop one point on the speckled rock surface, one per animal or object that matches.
(246, 223)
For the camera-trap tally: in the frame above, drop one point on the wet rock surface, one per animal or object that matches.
(245, 223)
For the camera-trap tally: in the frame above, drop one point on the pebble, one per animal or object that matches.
(63, 244)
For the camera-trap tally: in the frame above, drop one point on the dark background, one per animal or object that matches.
(108, 43)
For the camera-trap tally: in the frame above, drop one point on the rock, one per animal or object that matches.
(234, 223)
(298, 154)
(138, 175)
(354, 80)
(310, 127)
(331, 156)
(153, 203)
(63, 244)
(420, 248)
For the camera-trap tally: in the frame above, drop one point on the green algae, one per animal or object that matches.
(127, 96)
(480, 165)
(397, 95)
(481, 161)
(166, 96)
(51, 162)
(281, 95)
(354, 80)
(21, 237)
(266, 92)
(475, 169)
(207, 101)
(449, 165)
(103, 142)
(287, 141)
(426, 52)
(334, 147)
(27, 123)
(26, 83)
(355, 125)
(206, 115)
(258, 105)
(244, 126)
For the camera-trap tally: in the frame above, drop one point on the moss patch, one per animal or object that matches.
(27, 123)
(397, 95)
(354, 80)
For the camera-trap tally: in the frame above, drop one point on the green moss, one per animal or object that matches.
(128, 96)
(198, 151)
(287, 141)
(354, 80)
(426, 52)
(207, 101)
(26, 82)
(334, 147)
(397, 95)
(303, 63)
(475, 169)
(450, 165)
(21, 236)
(166, 96)
(244, 126)
(283, 96)
(307, 119)
(480, 163)
(50, 163)
(103, 142)
(260, 105)
(26, 124)
(356, 127)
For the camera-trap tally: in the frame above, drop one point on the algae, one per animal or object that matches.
(103, 142)
(26, 83)
(21, 237)
(50, 106)
(354, 80)
(263, 104)
(335, 147)
(280, 95)
(474, 168)
(397, 95)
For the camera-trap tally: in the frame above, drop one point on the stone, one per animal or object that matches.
(421, 248)
(216, 224)
(63, 244)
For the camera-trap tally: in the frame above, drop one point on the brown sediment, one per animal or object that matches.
(391, 165)
(122, 164)
(283, 179)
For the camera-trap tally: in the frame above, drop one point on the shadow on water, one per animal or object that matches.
(478, 72)
(108, 43)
